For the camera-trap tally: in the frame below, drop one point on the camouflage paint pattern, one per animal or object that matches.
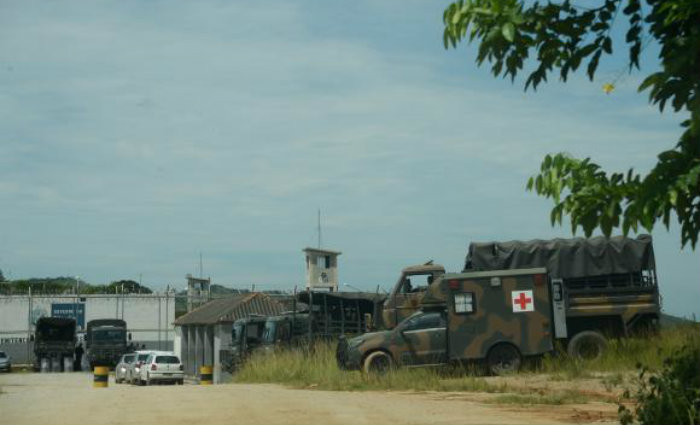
(400, 306)
(625, 305)
(466, 336)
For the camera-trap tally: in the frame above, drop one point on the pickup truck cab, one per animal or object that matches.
(408, 291)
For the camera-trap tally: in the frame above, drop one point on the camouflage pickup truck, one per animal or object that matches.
(585, 291)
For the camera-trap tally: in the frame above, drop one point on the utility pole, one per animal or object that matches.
(319, 228)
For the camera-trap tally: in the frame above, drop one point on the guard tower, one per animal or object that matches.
(321, 269)
(198, 291)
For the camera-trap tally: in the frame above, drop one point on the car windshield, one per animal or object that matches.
(129, 359)
(143, 357)
(2, 355)
(167, 360)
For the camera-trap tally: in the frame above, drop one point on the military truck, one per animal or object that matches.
(246, 336)
(287, 330)
(54, 344)
(404, 299)
(601, 287)
(105, 341)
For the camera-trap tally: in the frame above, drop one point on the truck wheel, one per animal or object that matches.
(377, 363)
(587, 345)
(503, 359)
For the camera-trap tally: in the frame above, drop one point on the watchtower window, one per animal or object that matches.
(323, 261)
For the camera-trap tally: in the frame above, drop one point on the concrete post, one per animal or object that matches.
(217, 352)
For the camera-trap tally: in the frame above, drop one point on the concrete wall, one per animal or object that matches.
(200, 345)
(149, 317)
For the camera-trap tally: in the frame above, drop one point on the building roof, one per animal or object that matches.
(321, 251)
(230, 309)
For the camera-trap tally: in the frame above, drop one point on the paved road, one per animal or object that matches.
(69, 399)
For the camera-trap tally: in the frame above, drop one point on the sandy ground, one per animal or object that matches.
(27, 398)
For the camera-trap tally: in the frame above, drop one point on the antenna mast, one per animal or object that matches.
(319, 228)
(201, 272)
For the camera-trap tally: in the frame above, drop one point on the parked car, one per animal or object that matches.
(5, 362)
(122, 368)
(161, 368)
(134, 369)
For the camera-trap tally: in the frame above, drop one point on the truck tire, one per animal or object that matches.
(587, 345)
(503, 359)
(377, 363)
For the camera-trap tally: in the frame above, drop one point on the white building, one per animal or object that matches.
(149, 317)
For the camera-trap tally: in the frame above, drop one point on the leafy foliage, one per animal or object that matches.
(671, 396)
(565, 36)
(67, 285)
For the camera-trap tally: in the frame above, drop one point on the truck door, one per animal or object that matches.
(513, 308)
(425, 340)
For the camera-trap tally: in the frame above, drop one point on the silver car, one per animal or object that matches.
(5, 362)
(122, 368)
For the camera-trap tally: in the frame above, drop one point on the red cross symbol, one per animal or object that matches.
(522, 300)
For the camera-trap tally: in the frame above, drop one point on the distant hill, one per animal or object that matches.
(668, 320)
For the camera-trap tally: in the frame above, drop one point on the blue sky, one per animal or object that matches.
(136, 134)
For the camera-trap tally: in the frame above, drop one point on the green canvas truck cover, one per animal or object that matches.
(565, 258)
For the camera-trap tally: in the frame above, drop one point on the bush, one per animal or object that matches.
(671, 396)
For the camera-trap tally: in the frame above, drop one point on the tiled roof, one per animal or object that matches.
(230, 309)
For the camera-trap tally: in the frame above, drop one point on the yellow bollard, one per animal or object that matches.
(101, 377)
(206, 376)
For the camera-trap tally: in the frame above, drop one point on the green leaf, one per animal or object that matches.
(508, 31)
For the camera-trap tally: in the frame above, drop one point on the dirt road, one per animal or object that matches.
(69, 399)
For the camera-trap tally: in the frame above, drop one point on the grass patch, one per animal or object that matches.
(564, 397)
(622, 355)
(316, 368)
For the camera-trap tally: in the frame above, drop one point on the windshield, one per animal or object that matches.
(129, 359)
(65, 333)
(108, 335)
(2, 355)
(143, 357)
(167, 360)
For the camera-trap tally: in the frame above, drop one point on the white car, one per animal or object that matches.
(134, 369)
(161, 368)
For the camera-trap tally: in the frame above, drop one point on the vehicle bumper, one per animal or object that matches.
(166, 376)
(5, 367)
(346, 357)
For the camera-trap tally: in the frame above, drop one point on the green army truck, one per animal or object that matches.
(54, 344)
(105, 341)
(494, 316)
(598, 288)
(601, 287)
(246, 336)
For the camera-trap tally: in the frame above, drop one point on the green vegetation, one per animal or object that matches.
(564, 397)
(62, 285)
(671, 395)
(562, 36)
(621, 355)
(317, 369)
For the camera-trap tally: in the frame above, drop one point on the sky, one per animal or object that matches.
(137, 134)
